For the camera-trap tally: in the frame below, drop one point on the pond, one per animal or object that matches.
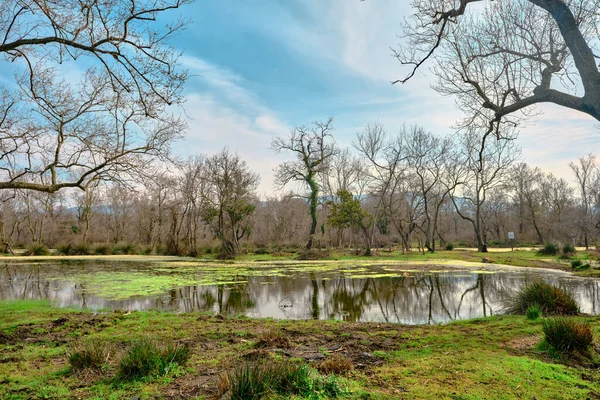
(402, 293)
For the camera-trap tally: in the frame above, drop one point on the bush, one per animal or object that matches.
(566, 335)
(449, 247)
(575, 263)
(37, 250)
(534, 311)
(88, 355)
(313, 254)
(81, 249)
(550, 249)
(64, 249)
(103, 250)
(254, 381)
(568, 250)
(147, 357)
(125, 249)
(551, 300)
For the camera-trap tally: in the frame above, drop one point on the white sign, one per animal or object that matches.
(511, 235)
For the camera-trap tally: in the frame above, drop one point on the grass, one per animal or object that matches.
(567, 335)
(149, 357)
(534, 311)
(550, 299)
(89, 355)
(550, 249)
(255, 381)
(495, 357)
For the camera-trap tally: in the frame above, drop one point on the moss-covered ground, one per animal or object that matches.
(492, 358)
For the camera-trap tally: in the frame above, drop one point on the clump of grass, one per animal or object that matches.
(37, 250)
(88, 355)
(551, 299)
(125, 249)
(147, 357)
(568, 250)
(583, 267)
(567, 335)
(550, 249)
(450, 247)
(337, 364)
(103, 250)
(575, 263)
(254, 381)
(272, 338)
(533, 312)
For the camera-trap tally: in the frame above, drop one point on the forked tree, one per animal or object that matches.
(312, 147)
(92, 91)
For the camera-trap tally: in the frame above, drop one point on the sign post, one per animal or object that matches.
(511, 237)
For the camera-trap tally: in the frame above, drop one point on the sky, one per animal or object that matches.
(258, 68)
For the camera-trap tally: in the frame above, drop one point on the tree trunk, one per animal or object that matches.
(314, 194)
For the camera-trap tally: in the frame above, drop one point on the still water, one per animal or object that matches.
(385, 293)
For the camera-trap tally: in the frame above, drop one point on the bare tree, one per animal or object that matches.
(527, 189)
(486, 165)
(228, 199)
(313, 148)
(503, 58)
(103, 124)
(585, 174)
(427, 160)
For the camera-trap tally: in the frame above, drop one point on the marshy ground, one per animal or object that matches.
(497, 357)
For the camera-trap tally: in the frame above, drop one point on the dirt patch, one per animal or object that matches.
(525, 343)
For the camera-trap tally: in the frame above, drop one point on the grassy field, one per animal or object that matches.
(493, 358)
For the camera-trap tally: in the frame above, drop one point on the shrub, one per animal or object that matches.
(534, 311)
(37, 250)
(551, 299)
(89, 354)
(81, 249)
(312, 254)
(337, 364)
(125, 249)
(103, 250)
(147, 357)
(253, 381)
(568, 249)
(550, 249)
(449, 247)
(64, 249)
(575, 263)
(566, 335)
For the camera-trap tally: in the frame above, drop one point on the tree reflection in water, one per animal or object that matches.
(412, 299)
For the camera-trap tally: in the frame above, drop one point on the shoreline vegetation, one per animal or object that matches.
(581, 262)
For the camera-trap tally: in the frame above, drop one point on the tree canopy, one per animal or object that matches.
(500, 58)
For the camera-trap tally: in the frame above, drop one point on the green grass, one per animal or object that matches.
(149, 357)
(255, 381)
(550, 299)
(495, 357)
(567, 335)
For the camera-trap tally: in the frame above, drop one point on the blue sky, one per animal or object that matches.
(262, 67)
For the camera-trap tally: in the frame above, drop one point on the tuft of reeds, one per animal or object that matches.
(551, 299)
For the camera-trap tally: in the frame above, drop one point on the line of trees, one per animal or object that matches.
(410, 189)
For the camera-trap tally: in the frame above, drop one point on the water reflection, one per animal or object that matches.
(415, 299)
